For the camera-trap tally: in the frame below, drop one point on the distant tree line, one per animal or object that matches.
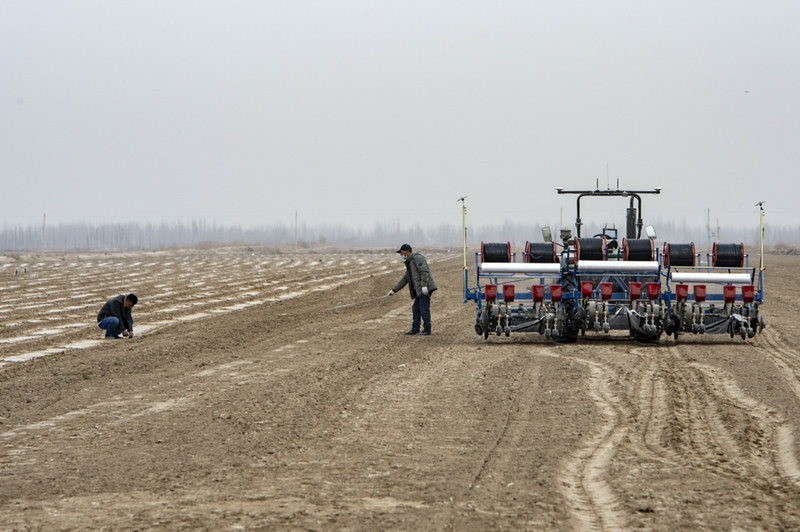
(148, 236)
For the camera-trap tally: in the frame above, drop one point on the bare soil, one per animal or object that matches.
(269, 390)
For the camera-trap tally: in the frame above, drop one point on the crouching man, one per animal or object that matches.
(115, 316)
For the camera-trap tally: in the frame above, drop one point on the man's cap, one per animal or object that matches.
(404, 247)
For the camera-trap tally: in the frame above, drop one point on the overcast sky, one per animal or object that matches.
(358, 112)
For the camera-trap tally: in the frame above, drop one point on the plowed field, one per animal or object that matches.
(273, 390)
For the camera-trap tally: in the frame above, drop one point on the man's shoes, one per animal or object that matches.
(425, 333)
(112, 337)
(412, 331)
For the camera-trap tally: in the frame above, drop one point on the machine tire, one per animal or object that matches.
(672, 324)
(574, 317)
(567, 338)
(651, 338)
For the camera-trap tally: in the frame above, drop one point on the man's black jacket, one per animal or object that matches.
(116, 307)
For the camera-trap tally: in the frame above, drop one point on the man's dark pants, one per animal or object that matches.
(421, 310)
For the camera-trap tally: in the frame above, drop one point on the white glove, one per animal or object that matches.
(391, 293)
(424, 290)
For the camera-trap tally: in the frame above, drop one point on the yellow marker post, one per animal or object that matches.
(761, 265)
(760, 206)
(464, 226)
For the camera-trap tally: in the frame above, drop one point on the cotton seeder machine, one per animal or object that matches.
(596, 284)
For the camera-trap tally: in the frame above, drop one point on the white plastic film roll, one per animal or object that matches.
(617, 266)
(711, 278)
(520, 267)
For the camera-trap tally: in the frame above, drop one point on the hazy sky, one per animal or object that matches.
(364, 112)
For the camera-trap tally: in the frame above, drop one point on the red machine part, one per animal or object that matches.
(652, 291)
(537, 292)
(748, 293)
(682, 291)
(699, 293)
(606, 291)
(491, 292)
(586, 288)
(729, 293)
(555, 292)
(508, 292)
(635, 288)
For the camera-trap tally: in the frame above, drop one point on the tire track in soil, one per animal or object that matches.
(775, 454)
(783, 356)
(697, 410)
(773, 431)
(591, 500)
(651, 399)
(694, 420)
(676, 416)
(681, 419)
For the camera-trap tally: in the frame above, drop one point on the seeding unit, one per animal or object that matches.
(595, 284)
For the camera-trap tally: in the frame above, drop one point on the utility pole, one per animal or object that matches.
(44, 231)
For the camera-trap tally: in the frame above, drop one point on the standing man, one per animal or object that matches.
(115, 316)
(421, 285)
